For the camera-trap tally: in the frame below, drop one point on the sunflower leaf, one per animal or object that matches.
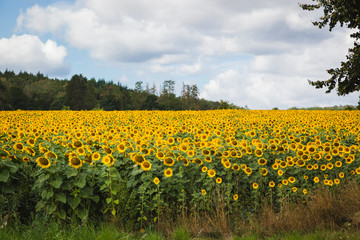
(4, 175)
(62, 214)
(56, 183)
(50, 208)
(71, 172)
(40, 205)
(83, 213)
(81, 183)
(73, 202)
(47, 194)
(61, 197)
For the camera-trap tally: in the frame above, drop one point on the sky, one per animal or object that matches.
(258, 54)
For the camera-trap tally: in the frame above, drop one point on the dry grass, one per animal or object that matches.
(324, 209)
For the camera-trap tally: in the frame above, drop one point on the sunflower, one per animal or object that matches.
(292, 179)
(258, 152)
(227, 164)
(300, 163)
(139, 159)
(77, 143)
(255, 185)
(211, 173)
(235, 167)
(190, 153)
(18, 147)
(338, 163)
(50, 154)
(218, 180)
(205, 152)
(43, 162)
(328, 157)
(183, 147)
(341, 175)
(203, 192)
(168, 161)
(248, 170)
(271, 184)
(75, 162)
(235, 197)
(121, 148)
(316, 179)
(146, 165)
(31, 141)
(156, 181)
(170, 140)
(30, 151)
(168, 172)
(204, 169)
(198, 161)
(285, 182)
(329, 165)
(160, 155)
(305, 191)
(208, 159)
(95, 156)
(108, 160)
(26, 159)
(280, 172)
(263, 171)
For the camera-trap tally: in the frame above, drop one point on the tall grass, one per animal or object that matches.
(327, 213)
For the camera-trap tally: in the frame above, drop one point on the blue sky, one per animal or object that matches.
(254, 53)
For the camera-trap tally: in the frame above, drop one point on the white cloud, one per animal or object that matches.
(207, 38)
(29, 53)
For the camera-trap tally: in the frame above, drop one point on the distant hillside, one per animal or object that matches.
(38, 92)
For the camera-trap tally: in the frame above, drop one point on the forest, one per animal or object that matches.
(29, 91)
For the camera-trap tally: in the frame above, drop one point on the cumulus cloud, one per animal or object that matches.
(29, 53)
(208, 38)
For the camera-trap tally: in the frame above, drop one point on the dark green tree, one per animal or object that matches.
(76, 91)
(346, 78)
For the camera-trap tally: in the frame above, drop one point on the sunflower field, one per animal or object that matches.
(138, 166)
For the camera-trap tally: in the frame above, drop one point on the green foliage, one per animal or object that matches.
(346, 78)
(37, 92)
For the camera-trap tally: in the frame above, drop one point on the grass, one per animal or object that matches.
(326, 214)
(54, 231)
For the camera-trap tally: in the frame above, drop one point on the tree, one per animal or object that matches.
(190, 96)
(346, 78)
(76, 91)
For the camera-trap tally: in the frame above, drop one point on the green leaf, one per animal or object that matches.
(61, 197)
(56, 183)
(62, 214)
(103, 187)
(108, 200)
(9, 189)
(73, 202)
(95, 199)
(47, 194)
(43, 177)
(113, 212)
(83, 213)
(40, 205)
(50, 208)
(71, 172)
(4, 175)
(81, 183)
(117, 201)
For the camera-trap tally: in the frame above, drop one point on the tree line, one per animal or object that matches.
(29, 91)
